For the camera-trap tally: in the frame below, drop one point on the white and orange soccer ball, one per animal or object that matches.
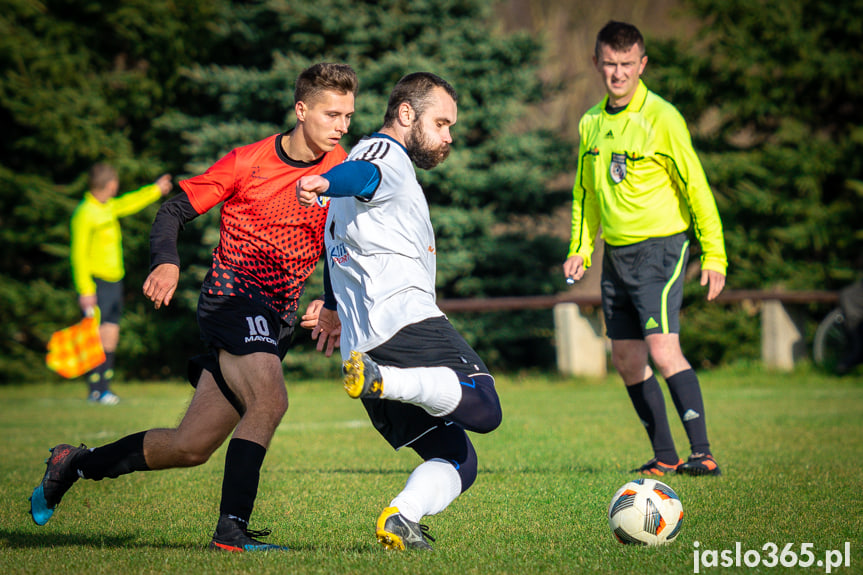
(645, 512)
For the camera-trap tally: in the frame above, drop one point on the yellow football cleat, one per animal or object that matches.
(362, 376)
(395, 532)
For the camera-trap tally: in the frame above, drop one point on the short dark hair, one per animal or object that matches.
(619, 36)
(415, 89)
(324, 77)
(101, 175)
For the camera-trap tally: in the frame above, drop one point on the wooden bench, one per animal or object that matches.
(582, 347)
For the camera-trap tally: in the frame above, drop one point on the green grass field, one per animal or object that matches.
(790, 447)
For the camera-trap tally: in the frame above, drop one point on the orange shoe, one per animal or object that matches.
(656, 468)
(700, 464)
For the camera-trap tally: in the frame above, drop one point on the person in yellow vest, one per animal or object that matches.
(638, 176)
(97, 261)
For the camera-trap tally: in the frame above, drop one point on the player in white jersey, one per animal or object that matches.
(420, 382)
(382, 250)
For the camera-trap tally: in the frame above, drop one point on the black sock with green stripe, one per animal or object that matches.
(95, 378)
(108, 370)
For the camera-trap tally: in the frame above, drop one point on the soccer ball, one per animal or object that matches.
(645, 512)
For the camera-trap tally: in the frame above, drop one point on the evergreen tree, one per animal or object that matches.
(84, 82)
(498, 171)
(772, 90)
(79, 83)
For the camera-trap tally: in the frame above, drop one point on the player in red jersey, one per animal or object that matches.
(268, 247)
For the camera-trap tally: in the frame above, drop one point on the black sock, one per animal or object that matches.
(686, 394)
(94, 378)
(108, 370)
(115, 459)
(650, 406)
(243, 463)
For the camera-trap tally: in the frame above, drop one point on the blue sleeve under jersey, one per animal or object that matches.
(329, 297)
(355, 178)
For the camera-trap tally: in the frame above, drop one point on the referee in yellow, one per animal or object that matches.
(639, 177)
(97, 261)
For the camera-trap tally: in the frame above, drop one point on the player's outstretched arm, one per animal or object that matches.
(356, 178)
(160, 285)
(164, 183)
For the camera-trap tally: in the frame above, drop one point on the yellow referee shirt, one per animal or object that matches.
(97, 244)
(639, 176)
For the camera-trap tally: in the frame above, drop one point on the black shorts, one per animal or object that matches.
(242, 326)
(642, 287)
(239, 326)
(109, 298)
(430, 343)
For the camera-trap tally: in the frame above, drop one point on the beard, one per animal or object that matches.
(422, 151)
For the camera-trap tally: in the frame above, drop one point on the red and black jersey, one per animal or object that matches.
(269, 243)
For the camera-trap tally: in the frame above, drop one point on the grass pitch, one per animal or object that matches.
(790, 447)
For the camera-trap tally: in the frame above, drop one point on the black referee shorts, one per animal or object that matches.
(642, 286)
(109, 298)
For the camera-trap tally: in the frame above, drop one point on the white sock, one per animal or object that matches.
(436, 389)
(429, 490)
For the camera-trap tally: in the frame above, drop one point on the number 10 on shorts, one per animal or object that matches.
(258, 325)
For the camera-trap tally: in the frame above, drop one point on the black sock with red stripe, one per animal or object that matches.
(650, 406)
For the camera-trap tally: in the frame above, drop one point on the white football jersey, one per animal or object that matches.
(381, 252)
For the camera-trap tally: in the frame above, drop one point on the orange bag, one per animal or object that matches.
(75, 350)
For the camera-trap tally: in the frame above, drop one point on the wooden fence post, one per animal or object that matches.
(581, 349)
(781, 340)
